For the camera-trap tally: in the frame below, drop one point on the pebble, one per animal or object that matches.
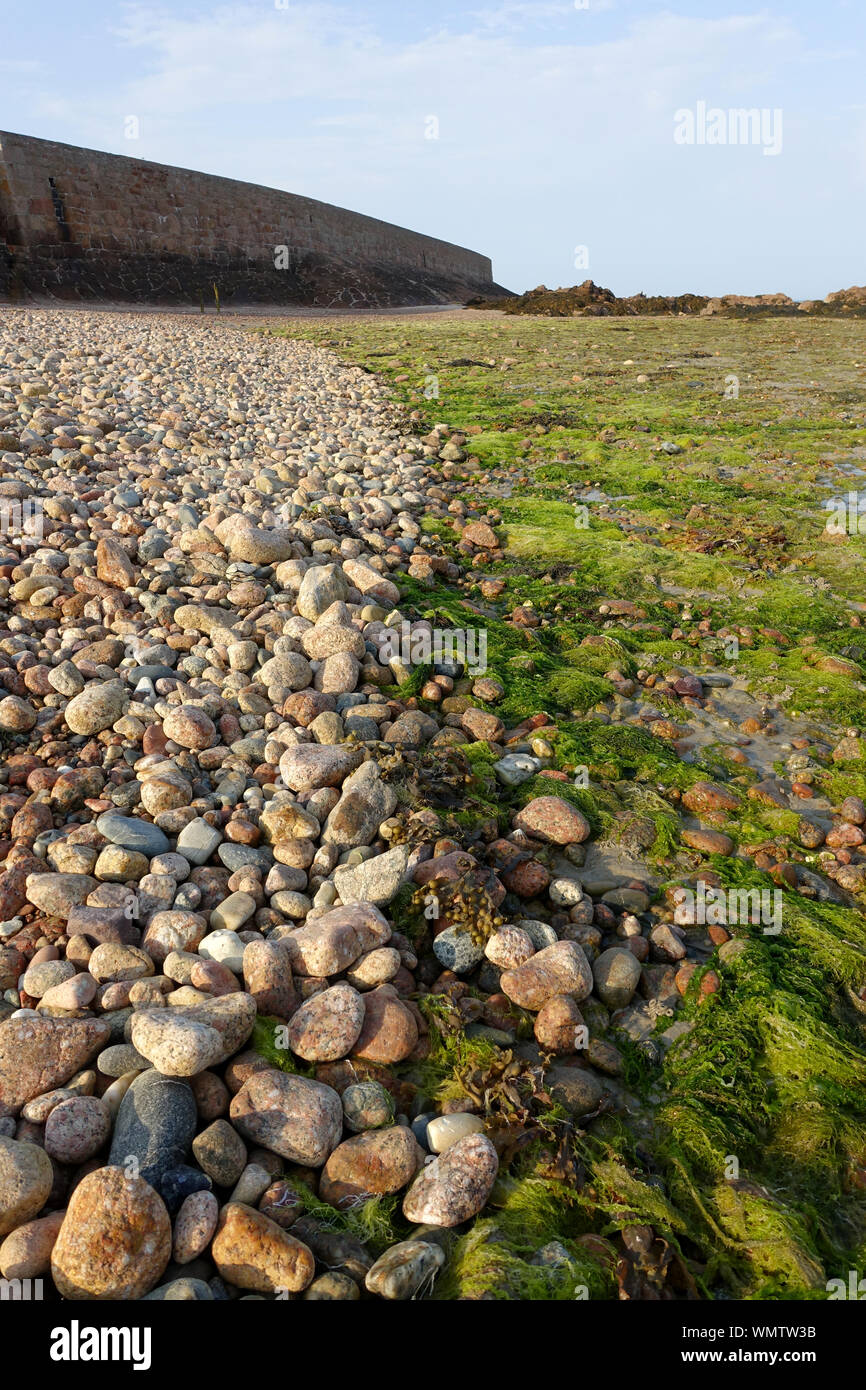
(98, 707)
(559, 969)
(197, 841)
(405, 1269)
(553, 820)
(454, 1187)
(252, 1184)
(616, 973)
(445, 1130)
(327, 1026)
(115, 1240)
(509, 947)
(299, 1119)
(556, 1025)
(155, 1125)
(77, 1129)
(57, 894)
(74, 993)
(252, 1252)
(133, 833)
(224, 945)
(116, 1061)
(189, 726)
(516, 768)
(375, 880)
(26, 1252)
(175, 1043)
(389, 1032)
(44, 975)
(38, 1054)
(220, 1152)
(181, 1291)
(26, 1180)
(333, 1286)
(541, 934)
(267, 974)
(367, 1105)
(455, 950)
(336, 940)
(194, 1226)
(377, 1163)
(179, 1183)
(577, 1089)
(307, 767)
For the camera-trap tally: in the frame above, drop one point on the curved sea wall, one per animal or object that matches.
(77, 224)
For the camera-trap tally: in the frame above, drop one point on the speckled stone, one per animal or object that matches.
(559, 969)
(194, 1226)
(77, 1129)
(252, 1252)
(183, 1041)
(553, 820)
(509, 948)
(44, 975)
(220, 1152)
(120, 1059)
(327, 1026)
(267, 971)
(367, 1105)
(58, 894)
(456, 1186)
(335, 940)
(377, 1163)
(115, 1240)
(175, 1044)
(38, 1054)
(300, 1119)
(389, 1032)
(557, 1024)
(26, 1251)
(455, 950)
(375, 968)
(26, 1179)
(189, 726)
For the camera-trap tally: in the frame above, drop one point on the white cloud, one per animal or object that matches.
(515, 14)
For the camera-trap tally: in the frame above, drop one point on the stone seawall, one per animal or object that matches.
(77, 224)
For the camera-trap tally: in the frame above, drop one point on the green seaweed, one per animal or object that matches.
(375, 1221)
(752, 1156)
(264, 1040)
(493, 1260)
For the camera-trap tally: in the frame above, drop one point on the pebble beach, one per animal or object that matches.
(241, 920)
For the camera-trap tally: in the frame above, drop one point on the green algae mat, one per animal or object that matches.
(671, 498)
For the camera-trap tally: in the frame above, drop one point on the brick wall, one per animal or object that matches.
(79, 224)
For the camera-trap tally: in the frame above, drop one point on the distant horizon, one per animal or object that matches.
(680, 147)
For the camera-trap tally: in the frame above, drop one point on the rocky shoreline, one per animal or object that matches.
(588, 300)
(295, 969)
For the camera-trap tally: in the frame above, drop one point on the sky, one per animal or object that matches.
(566, 139)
